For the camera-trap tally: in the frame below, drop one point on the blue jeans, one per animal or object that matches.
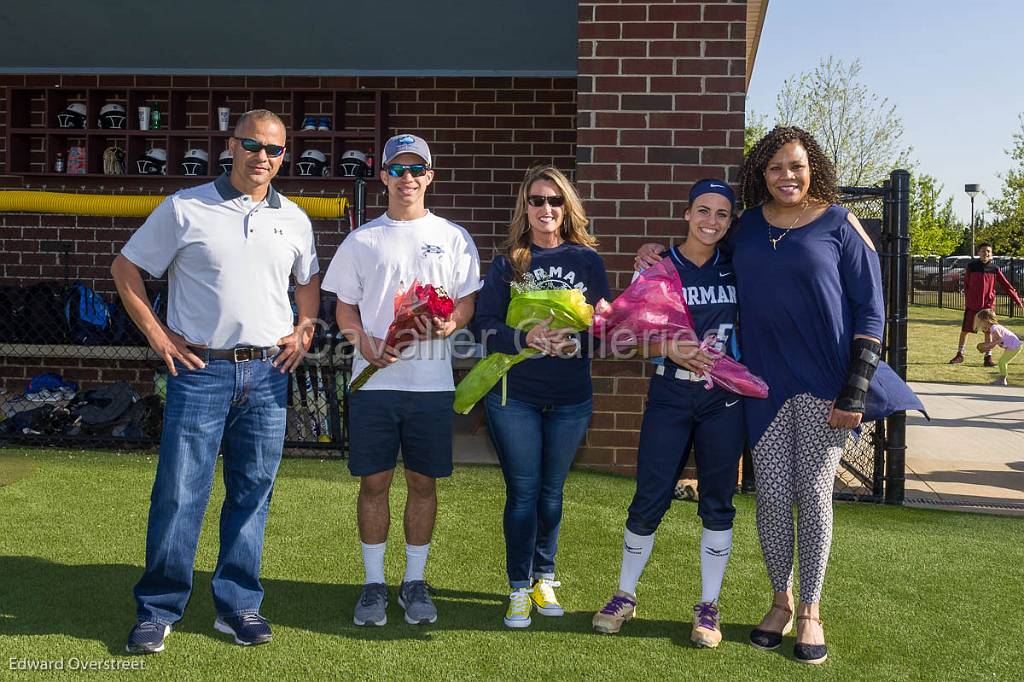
(536, 446)
(242, 408)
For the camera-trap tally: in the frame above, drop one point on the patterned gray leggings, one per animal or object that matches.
(795, 461)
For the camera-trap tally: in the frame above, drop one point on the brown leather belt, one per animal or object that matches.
(239, 354)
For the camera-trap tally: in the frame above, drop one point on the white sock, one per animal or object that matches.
(415, 561)
(636, 549)
(715, 548)
(961, 351)
(373, 562)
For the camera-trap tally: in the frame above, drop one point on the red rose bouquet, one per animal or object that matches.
(418, 302)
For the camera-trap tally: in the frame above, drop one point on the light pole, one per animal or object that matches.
(972, 191)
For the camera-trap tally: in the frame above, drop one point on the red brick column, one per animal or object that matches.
(660, 104)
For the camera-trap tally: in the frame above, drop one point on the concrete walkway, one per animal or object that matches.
(970, 456)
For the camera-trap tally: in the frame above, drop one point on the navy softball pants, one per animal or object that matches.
(678, 410)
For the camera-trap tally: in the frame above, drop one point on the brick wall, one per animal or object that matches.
(484, 132)
(660, 102)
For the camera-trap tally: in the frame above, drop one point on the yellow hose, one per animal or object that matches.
(136, 206)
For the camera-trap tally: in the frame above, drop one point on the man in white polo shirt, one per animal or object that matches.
(407, 404)
(229, 248)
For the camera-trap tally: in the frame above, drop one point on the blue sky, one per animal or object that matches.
(954, 70)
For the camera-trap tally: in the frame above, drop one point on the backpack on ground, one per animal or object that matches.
(87, 315)
(144, 419)
(98, 410)
(46, 419)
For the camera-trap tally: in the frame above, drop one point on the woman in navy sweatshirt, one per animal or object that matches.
(540, 423)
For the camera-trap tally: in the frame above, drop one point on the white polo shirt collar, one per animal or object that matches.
(228, 191)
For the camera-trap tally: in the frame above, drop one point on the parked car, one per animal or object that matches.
(953, 272)
(926, 274)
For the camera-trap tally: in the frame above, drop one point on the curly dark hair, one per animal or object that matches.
(754, 190)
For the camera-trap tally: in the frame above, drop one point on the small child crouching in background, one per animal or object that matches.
(988, 322)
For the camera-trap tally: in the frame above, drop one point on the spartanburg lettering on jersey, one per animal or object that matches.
(710, 295)
(555, 277)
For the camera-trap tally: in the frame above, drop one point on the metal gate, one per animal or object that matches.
(873, 464)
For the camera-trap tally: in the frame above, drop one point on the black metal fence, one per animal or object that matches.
(939, 281)
(873, 463)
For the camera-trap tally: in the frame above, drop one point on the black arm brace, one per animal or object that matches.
(864, 357)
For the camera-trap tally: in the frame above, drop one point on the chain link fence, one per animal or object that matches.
(860, 475)
(78, 373)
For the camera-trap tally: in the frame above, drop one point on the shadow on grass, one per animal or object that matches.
(13, 469)
(94, 602)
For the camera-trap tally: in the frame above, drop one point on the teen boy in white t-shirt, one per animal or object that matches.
(408, 403)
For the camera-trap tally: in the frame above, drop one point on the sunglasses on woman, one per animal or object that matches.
(537, 201)
(254, 147)
(397, 170)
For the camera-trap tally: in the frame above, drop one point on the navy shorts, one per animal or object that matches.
(420, 423)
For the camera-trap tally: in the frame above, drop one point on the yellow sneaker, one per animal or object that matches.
(517, 615)
(543, 595)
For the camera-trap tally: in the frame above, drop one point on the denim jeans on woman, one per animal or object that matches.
(242, 407)
(536, 445)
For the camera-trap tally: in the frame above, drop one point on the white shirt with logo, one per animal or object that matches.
(228, 263)
(386, 256)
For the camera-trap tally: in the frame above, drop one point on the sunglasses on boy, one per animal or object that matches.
(397, 170)
(254, 147)
(537, 201)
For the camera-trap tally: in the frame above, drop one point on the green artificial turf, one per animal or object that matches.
(911, 594)
(932, 337)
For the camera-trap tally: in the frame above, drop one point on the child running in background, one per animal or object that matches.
(988, 322)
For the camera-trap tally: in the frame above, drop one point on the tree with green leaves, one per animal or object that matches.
(859, 130)
(1005, 228)
(934, 228)
(755, 129)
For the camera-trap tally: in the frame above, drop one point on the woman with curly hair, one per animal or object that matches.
(540, 421)
(811, 322)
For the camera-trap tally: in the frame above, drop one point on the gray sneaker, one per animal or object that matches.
(371, 609)
(414, 597)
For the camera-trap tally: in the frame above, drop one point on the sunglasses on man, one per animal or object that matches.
(397, 170)
(254, 147)
(537, 201)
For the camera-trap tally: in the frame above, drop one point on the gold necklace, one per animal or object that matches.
(775, 242)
